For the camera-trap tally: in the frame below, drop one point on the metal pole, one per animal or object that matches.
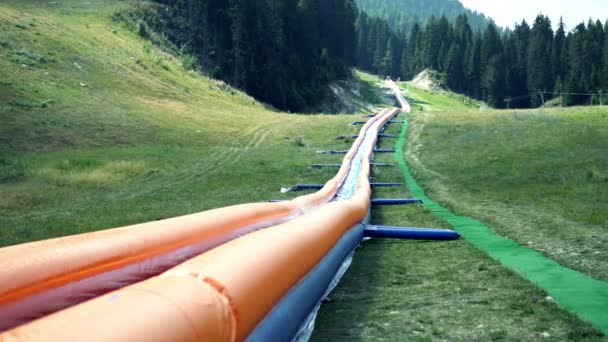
(600, 97)
(542, 96)
(561, 94)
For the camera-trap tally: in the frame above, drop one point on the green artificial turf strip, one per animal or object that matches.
(574, 291)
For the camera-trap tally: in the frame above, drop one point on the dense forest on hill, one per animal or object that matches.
(402, 15)
(490, 65)
(283, 52)
(287, 52)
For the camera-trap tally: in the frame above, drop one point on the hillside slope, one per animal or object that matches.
(538, 177)
(100, 129)
(401, 15)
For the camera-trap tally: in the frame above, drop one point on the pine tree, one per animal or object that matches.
(454, 68)
(238, 16)
(432, 42)
(362, 26)
(517, 64)
(348, 35)
(414, 49)
(473, 68)
(380, 50)
(539, 59)
(463, 36)
(577, 80)
(491, 44)
(556, 51)
(405, 64)
(307, 48)
(372, 37)
(594, 46)
(605, 72)
(391, 62)
(445, 33)
(490, 57)
(493, 81)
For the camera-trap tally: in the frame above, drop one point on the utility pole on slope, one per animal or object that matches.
(542, 97)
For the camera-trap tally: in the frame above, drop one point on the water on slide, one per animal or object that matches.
(349, 187)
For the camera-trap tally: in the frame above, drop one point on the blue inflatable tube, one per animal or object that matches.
(410, 233)
(395, 201)
(384, 150)
(308, 186)
(286, 318)
(384, 184)
(342, 137)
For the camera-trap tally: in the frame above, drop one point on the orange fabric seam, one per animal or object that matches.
(222, 291)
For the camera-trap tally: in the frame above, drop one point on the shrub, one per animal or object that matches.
(11, 170)
(189, 62)
(147, 48)
(25, 57)
(142, 29)
(161, 62)
(301, 141)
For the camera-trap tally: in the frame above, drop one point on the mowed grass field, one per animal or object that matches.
(539, 177)
(450, 291)
(100, 129)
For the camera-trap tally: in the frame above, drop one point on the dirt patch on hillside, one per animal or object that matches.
(429, 80)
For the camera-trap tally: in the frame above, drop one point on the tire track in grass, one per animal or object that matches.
(574, 291)
(203, 166)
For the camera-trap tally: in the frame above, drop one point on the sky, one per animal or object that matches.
(507, 12)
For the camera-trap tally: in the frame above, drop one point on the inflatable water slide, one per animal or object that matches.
(255, 272)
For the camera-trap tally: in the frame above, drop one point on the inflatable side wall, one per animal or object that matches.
(238, 280)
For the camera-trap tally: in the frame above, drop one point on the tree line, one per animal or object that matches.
(401, 15)
(525, 64)
(283, 52)
(286, 52)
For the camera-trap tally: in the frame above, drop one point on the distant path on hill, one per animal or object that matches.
(574, 291)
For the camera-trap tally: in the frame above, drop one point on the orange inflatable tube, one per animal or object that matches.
(62, 272)
(235, 298)
(224, 293)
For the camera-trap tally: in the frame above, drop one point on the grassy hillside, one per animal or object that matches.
(539, 176)
(362, 94)
(434, 291)
(101, 129)
(436, 101)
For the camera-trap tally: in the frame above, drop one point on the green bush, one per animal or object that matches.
(11, 170)
(147, 48)
(25, 57)
(189, 62)
(77, 163)
(301, 141)
(142, 30)
(161, 62)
